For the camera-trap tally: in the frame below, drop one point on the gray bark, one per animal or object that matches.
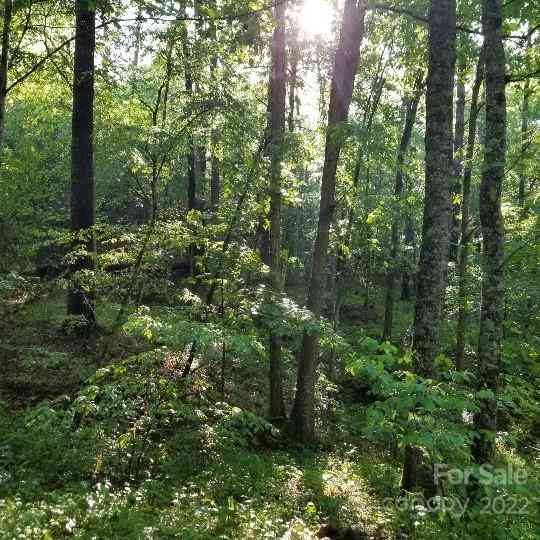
(459, 141)
(437, 202)
(492, 311)
(465, 217)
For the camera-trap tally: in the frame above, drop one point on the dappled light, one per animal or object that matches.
(269, 270)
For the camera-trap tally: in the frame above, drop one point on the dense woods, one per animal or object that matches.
(270, 269)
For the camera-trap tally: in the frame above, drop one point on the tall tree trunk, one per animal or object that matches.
(434, 250)
(524, 136)
(459, 141)
(215, 180)
(215, 175)
(200, 148)
(293, 77)
(393, 272)
(82, 155)
(465, 217)
(192, 150)
(138, 39)
(278, 83)
(4, 66)
(492, 311)
(343, 75)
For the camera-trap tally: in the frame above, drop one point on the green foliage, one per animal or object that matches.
(411, 410)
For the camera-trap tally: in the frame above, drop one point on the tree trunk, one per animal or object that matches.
(524, 136)
(277, 93)
(82, 158)
(192, 150)
(343, 274)
(215, 180)
(393, 272)
(459, 141)
(492, 311)
(434, 250)
(138, 40)
(4, 66)
(293, 78)
(465, 217)
(343, 75)
(407, 274)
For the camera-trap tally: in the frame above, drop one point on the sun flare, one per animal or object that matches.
(315, 18)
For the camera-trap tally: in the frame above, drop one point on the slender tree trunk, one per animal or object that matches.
(343, 75)
(437, 203)
(341, 267)
(465, 217)
(277, 119)
(492, 311)
(192, 150)
(215, 177)
(138, 39)
(292, 214)
(407, 275)
(393, 272)
(200, 149)
(459, 141)
(4, 61)
(215, 181)
(293, 78)
(82, 158)
(524, 137)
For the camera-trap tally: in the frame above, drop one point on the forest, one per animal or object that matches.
(269, 269)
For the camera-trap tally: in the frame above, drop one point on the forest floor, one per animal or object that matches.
(205, 477)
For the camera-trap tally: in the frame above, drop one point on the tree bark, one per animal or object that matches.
(459, 141)
(215, 175)
(192, 150)
(293, 78)
(439, 143)
(344, 70)
(524, 137)
(138, 39)
(393, 272)
(465, 217)
(437, 203)
(278, 84)
(82, 157)
(4, 66)
(492, 311)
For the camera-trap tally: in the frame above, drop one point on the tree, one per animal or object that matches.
(525, 112)
(435, 231)
(465, 217)
(493, 170)
(410, 116)
(459, 141)
(82, 156)
(4, 61)
(277, 95)
(344, 70)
